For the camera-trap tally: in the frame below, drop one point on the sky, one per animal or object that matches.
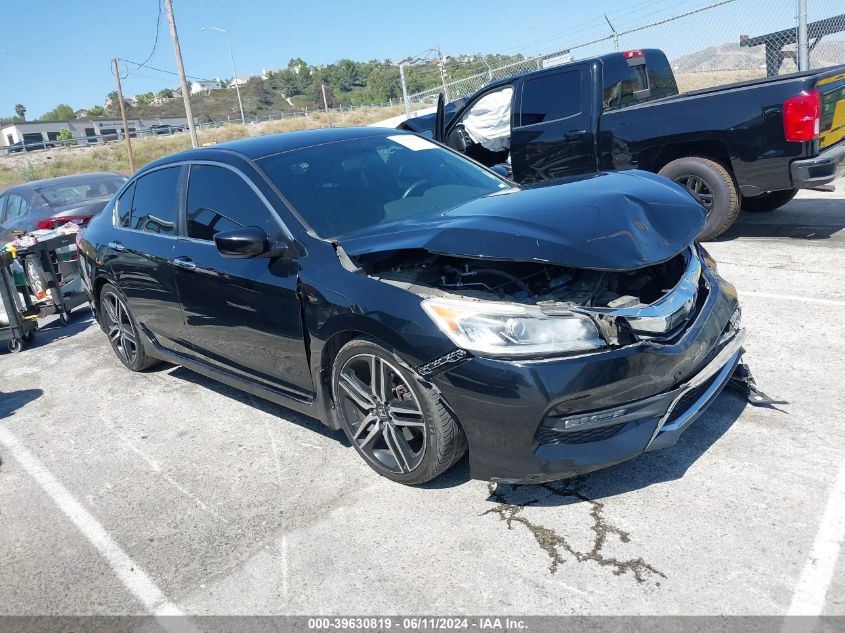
(56, 51)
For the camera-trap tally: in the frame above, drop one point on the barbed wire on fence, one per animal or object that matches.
(716, 42)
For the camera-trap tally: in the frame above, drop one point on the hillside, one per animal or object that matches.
(299, 86)
(61, 161)
(734, 57)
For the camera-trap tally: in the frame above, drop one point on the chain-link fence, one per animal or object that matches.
(708, 43)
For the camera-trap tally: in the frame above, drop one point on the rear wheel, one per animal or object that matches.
(712, 185)
(120, 327)
(768, 201)
(398, 425)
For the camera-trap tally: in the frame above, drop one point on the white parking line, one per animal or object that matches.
(772, 295)
(809, 595)
(130, 573)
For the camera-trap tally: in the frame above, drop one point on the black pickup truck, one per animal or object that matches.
(748, 145)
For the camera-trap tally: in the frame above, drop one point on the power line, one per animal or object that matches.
(161, 70)
(155, 43)
(635, 12)
(161, 80)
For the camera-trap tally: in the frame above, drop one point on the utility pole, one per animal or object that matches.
(442, 73)
(177, 52)
(123, 116)
(326, 104)
(803, 40)
(405, 100)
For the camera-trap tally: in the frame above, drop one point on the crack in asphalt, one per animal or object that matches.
(556, 545)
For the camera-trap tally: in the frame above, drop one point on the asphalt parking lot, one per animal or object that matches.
(129, 493)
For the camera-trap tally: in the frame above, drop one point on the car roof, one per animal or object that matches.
(257, 147)
(75, 179)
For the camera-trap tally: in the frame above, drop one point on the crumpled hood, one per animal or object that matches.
(607, 221)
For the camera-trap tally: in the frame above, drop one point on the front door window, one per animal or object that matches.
(486, 128)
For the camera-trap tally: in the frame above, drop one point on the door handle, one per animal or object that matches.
(185, 262)
(574, 135)
(117, 246)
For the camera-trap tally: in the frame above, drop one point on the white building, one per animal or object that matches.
(204, 86)
(84, 131)
(237, 81)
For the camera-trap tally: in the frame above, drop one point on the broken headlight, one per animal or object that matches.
(509, 329)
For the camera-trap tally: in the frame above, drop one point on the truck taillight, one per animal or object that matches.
(802, 116)
(632, 54)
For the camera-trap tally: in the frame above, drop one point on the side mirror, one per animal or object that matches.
(242, 243)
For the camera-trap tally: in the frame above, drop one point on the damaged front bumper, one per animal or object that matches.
(535, 421)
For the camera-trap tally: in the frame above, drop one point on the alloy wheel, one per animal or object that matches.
(384, 416)
(697, 187)
(119, 328)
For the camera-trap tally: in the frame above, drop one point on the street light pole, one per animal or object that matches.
(234, 71)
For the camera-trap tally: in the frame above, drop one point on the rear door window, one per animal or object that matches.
(123, 206)
(16, 206)
(628, 83)
(550, 97)
(221, 200)
(155, 205)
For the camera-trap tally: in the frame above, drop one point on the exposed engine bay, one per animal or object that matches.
(526, 282)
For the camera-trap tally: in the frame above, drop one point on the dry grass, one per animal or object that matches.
(697, 81)
(113, 157)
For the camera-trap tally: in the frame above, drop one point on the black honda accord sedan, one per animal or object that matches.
(399, 291)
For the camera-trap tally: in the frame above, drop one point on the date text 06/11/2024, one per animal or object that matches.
(419, 623)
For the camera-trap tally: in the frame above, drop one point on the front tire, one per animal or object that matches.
(399, 425)
(122, 331)
(768, 201)
(712, 185)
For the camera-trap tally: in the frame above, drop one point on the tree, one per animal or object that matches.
(112, 103)
(20, 110)
(65, 134)
(61, 112)
(145, 98)
(383, 84)
(96, 110)
(258, 89)
(165, 93)
(317, 95)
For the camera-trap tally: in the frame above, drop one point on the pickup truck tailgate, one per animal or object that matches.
(832, 124)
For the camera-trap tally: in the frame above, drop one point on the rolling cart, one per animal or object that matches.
(48, 267)
(51, 273)
(22, 314)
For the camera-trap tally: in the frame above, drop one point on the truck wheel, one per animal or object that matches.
(714, 187)
(768, 201)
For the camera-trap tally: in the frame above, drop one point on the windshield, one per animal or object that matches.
(81, 192)
(350, 186)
